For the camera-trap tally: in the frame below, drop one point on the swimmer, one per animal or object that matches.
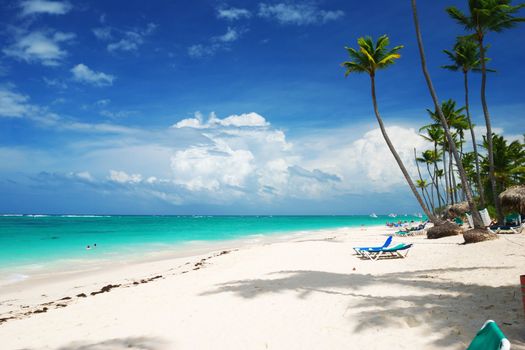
(88, 247)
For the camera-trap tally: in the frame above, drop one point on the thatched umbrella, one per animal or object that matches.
(458, 209)
(444, 230)
(513, 199)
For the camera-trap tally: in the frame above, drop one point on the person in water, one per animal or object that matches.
(88, 247)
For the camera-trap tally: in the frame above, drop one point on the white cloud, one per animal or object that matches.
(13, 104)
(30, 7)
(102, 33)
(233, 13)
(40, 46)
(56, 83)
(202, 168)
(123, 177)
(299, 14)
(246, 119)
(103, 102)
(84, 74)
(231, 35)
(130, 40)
(216, 43)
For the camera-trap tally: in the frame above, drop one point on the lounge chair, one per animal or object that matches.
(393, 252)
(458, 221)
(359, 250)
(489, 337)
(485, 218)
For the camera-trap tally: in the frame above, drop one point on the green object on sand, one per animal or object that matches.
(489, 337)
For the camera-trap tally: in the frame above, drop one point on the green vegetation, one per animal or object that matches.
(454, 174)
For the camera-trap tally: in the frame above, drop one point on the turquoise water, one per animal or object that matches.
(26, 240)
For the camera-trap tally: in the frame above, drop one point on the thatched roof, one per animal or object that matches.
(458, 209)
(443, 230)
(513, 199)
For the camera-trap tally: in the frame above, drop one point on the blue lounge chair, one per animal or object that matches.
(489, 337)
(393, 252)
(359, 250)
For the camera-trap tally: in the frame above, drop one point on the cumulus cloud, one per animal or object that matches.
(298, 14)
(245, 119)
(30, 7)
(232, 13)
(39, 46)
(123, 177)
(84, 74)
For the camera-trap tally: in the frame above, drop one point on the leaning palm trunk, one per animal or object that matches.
(430, 215)
(490, 149)
(424, 189)
(445, 175)
(468, 193)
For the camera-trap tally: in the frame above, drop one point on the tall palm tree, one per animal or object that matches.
(435, 135)
(465, 57)
(487, 16)
(421, 181)
(369, 58)
(509, 162)
(468, 192)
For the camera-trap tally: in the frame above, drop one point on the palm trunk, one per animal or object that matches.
(474, 145)
(436, 177)
(490, 149)
(445, 174)
(423, 189)
(472, 205)
(432, 188)
(430, 215)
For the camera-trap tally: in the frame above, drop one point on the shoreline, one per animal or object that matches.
(306, 291)
(154, 252)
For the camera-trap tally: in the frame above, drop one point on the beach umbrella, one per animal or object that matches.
(513, 199)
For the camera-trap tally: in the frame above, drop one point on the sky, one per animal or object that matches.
(212, 107)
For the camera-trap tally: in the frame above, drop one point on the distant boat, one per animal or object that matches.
(373, 215)
(392, 215)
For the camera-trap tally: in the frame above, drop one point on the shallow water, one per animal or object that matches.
(36, 241)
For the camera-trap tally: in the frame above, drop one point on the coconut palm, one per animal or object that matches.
(423, 184)
(468, 192)
(487, 16)
(465, 58)
(369, 58)
(454, 119)
(509, 162)
(435, 135)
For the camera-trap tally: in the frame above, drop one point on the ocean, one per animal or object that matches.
(37, 241)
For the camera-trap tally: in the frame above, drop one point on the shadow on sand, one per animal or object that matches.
(131, 343)
(445, 306)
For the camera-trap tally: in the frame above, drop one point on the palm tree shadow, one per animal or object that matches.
(131, 343)
(443, 306)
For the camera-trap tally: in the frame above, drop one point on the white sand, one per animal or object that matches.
(305, 292)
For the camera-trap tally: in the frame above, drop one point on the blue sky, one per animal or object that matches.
(239, 107)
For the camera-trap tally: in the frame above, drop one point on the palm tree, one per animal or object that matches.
(468, 192)
(435, 135)
(422, 181)
(454, 119)
(509, 162)
(487, 16)
(465, 57)
(368, 59)
(423, 184)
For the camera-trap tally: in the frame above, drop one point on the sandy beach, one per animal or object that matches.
(306, 291)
